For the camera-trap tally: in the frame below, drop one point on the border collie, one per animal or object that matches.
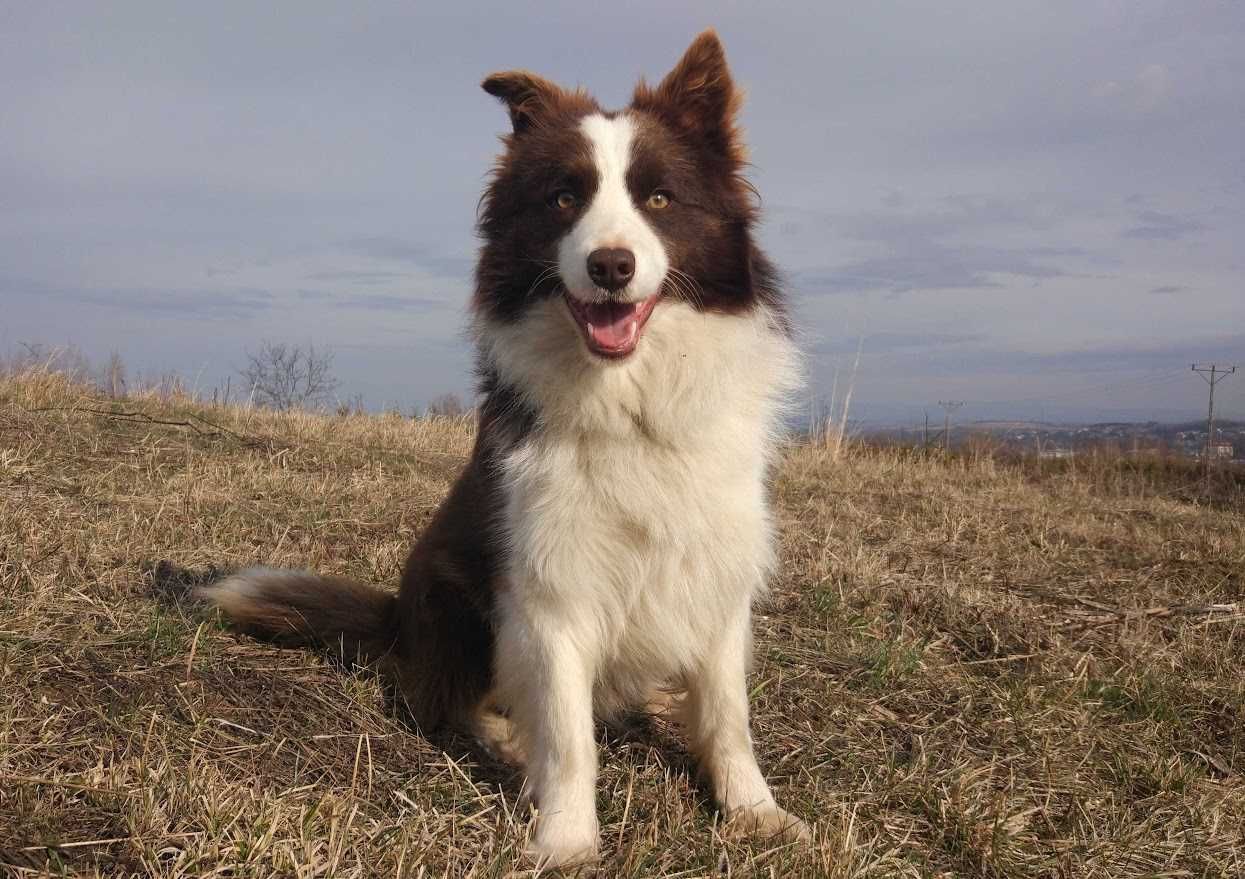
(603, 547)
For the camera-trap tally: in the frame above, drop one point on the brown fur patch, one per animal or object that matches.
(699, 99)
(534, 101)
(352, 620)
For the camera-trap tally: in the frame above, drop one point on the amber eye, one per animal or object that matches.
(659, 200)
(565, 199)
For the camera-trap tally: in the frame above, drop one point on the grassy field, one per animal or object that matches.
(966, 668)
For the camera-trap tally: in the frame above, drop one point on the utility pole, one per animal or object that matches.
(1212, 376)
(948, 406)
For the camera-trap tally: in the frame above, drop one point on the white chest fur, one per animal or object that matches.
(636, 514)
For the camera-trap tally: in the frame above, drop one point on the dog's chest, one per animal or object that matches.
(635, 515)
(644, 546)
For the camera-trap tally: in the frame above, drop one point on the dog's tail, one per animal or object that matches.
(357, 622)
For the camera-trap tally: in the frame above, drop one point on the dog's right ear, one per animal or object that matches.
(699, 98)
(529, 98)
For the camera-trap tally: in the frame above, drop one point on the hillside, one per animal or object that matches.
(965, 669)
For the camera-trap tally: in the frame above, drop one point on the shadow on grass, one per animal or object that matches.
(172, 586)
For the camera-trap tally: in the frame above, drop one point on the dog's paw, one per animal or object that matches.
(498, 736)
(768, 822)
(666, 704)
(560, 841)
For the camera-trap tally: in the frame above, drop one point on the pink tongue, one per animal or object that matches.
(613, 324)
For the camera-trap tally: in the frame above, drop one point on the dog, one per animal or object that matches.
(610, 532)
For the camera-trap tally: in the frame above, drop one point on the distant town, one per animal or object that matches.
(1152, 439)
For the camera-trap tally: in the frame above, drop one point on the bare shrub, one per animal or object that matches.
(446, 406)
(112, 378)
(285, 377)
(353, 405)
(37, 357)
(168, 386)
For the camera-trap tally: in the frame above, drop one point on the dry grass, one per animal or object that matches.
(966, 669)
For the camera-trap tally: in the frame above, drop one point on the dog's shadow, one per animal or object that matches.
(172, 586)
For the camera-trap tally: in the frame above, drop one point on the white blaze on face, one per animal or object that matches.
(612, 219)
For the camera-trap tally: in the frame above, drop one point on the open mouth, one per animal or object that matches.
(611, 329)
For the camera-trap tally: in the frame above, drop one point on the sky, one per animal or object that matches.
(1037, 208)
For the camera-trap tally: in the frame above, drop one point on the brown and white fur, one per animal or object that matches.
(611, 530)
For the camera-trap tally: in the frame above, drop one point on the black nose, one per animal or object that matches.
(611, 267)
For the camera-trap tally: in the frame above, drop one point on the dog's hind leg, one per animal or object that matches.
(497, 734)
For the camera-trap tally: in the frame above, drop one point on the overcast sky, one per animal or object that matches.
(1035, 207)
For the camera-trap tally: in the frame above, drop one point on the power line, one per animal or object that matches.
(1213, 376)
(948, 406)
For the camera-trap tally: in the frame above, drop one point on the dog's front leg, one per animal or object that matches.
(547, 682)
(717, 724)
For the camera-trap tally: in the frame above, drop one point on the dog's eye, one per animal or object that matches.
(659, 200)
(564, 199)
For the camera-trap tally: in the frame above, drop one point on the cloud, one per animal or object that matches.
(390, 249)
(373, 301)
(357, 276)
(201, 304)
(939, 267)
(1167, 358)
(390, 302)
(952, 215)
(1144, 93)
(1152, 87)
(1160, 226)
(942, 246)
(233, 304)
(886, 342)
(894, 198)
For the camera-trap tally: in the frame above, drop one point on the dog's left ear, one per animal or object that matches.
(698, 97)
(530, 98)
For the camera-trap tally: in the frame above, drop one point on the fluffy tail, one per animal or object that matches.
(300, 609)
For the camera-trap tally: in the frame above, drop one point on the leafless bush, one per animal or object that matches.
(446, 406)
(167, 385)
(112, 378)
(35, 356)
(353, 405)
(285, 377)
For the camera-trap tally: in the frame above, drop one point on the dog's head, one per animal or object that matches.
(612, 211)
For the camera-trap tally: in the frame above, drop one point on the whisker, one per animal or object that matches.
(687, 286)
(680, 291)
(545, 274)
(677, 287)
(698, 292)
